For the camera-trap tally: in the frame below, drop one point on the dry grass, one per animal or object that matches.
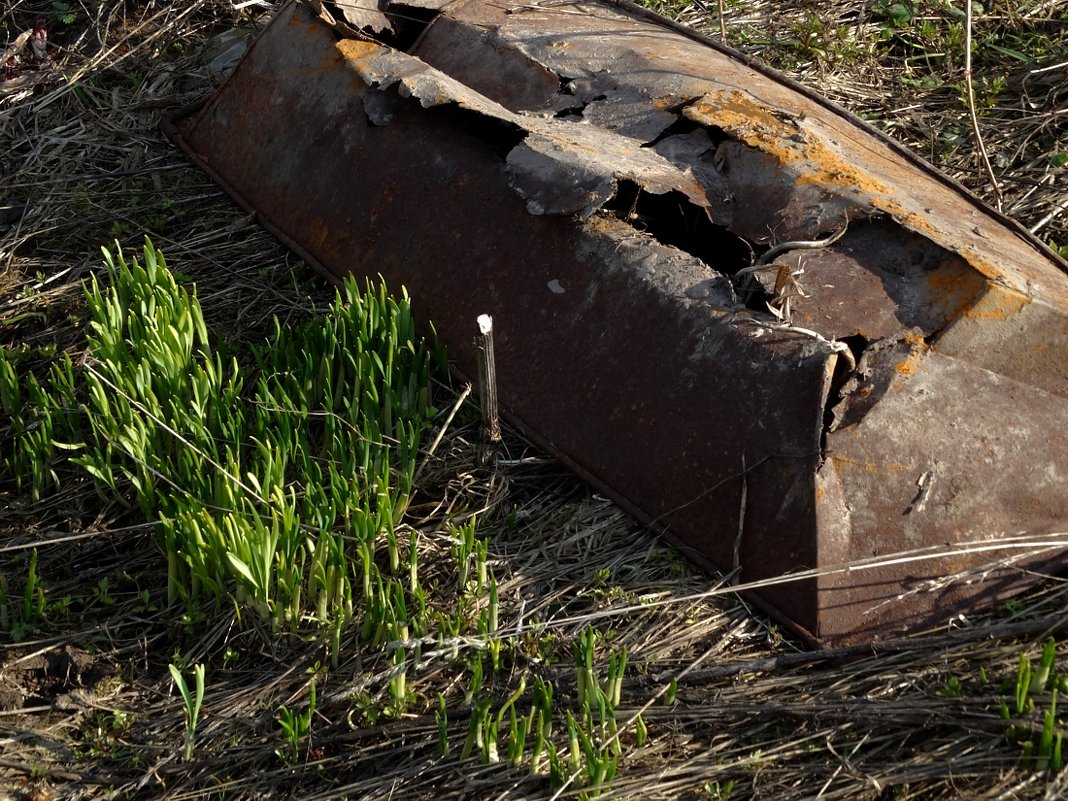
(87, 709)
(909, 81)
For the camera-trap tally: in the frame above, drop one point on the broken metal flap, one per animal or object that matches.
(708, 284)
(768, 161)
(558, 167)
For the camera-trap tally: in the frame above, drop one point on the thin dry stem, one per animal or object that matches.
(984, 157)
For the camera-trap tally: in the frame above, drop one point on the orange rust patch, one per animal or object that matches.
(953, 286)
(917, 349)
(948, 240)
(981, 264)
(871, 468)
(921, 225)
(357, 49)
(736, 106)
(909, 365)
(915, 340)
(998, 303)
(783, 139)
(830, 170)
(747, 121)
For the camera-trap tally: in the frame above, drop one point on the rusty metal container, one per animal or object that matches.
(747, 316)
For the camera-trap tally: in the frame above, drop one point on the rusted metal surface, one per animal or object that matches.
(604, 184)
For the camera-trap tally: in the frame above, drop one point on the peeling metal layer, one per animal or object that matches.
(707, 284)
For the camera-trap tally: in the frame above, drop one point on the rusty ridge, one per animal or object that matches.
(755, 322)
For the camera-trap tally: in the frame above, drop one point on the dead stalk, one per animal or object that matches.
(487, 381)
(971, 106)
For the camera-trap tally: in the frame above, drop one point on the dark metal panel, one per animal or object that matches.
(946, 456)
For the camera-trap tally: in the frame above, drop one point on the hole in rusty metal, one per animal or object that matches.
(844, 371)
(753, 294)
(408, 22)
(673, 220)
(576, 111)
(856, 344)
(500, 135)
(683, 126)
(844, 383)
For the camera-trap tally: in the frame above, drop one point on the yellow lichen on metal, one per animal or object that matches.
(742, 118)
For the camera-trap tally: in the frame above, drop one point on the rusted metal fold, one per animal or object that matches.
(708, 285)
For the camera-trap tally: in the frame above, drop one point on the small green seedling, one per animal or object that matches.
(192, 704)
(296, 726)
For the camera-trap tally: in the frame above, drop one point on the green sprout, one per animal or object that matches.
(191, 703)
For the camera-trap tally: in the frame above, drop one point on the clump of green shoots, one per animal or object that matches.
(284, 488)
(595, 730)
(37, 413)
(274, 487)
(484, 727)
(1040, 745)
(593, 746)
(21, 619)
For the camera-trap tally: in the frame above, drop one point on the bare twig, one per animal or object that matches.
(736, 573)
(980, 146)
(487, 385)
(1056, 212)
